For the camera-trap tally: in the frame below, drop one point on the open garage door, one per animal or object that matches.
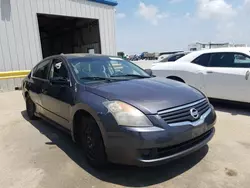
(62, 34)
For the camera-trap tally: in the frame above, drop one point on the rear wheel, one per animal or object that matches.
(30, 108)
(92, 143)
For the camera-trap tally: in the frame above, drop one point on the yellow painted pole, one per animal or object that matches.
(13, 74)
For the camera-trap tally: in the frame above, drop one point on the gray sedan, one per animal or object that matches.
(117, 111)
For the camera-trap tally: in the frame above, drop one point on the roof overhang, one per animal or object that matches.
(106, 2)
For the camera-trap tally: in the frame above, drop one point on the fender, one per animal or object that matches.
(94, 110)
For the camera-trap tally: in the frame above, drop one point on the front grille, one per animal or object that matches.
(182, 113)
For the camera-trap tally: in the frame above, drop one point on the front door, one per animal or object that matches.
(227, 77)
(58, 95)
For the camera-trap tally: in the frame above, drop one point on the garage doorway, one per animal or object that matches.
(62, 34)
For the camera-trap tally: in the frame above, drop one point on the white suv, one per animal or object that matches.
(221, 73)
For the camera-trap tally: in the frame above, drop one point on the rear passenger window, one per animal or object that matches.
(230, 60)
(222, 60)
(202, 60)
(41, 71)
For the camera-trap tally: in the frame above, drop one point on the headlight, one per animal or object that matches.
(127, 115)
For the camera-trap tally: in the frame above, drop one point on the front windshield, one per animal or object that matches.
(88, 69)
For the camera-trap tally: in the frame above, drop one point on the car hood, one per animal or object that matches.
(148, 95)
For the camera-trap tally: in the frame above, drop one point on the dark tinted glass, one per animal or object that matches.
(202, 60)
(41, 70)
(173, 58)
(222, 60)
(235, 60)
(164, 60)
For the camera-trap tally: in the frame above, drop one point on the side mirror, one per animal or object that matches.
(60, 81)
(149, 71)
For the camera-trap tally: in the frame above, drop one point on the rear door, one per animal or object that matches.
(227, 76)
(58, 98)
(39, 78)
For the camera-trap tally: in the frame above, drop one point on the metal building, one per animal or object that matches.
(201, 46)
(33, 29)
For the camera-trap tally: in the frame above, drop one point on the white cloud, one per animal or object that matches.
(150, 13)
(120, 15)
(215, 9)
(210, 21)
(247, 4)
(228, 21)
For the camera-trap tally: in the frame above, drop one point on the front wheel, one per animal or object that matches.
(30, 108)
(92, 143)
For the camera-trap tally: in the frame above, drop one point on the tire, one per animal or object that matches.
(30, 108)
(92, 143)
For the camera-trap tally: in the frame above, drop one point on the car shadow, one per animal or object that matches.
(232, 108)
(118, 174)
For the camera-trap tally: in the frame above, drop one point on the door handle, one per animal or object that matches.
(209, 72)
(247, 75)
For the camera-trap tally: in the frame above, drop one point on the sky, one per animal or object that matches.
(165, 25)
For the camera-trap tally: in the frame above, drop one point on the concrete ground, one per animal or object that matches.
(33, 154)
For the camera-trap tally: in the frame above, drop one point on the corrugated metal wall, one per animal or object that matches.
(20, 47)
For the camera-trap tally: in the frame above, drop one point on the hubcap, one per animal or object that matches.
(89, 142)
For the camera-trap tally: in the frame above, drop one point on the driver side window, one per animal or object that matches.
(202, 60)
(58, 70)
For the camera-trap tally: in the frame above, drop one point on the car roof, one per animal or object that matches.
(191, 56)
(77, 55)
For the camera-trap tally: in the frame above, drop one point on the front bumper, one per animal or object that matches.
(158, 145)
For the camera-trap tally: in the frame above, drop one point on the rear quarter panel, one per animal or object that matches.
(192, 74)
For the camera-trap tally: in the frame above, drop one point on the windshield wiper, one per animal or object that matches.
(135, 75)
(95, 78)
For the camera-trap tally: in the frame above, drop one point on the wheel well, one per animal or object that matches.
(76, 125)
(176, 78)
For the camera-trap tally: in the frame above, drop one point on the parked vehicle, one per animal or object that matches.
(164, 55)
(117, 111)
(172, 57)
(221, 73)
(160, 58)
(148, 56)
(134, 58)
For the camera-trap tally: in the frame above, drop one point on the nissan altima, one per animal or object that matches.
(117, 111)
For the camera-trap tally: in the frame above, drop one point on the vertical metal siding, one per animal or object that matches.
(20, 46)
